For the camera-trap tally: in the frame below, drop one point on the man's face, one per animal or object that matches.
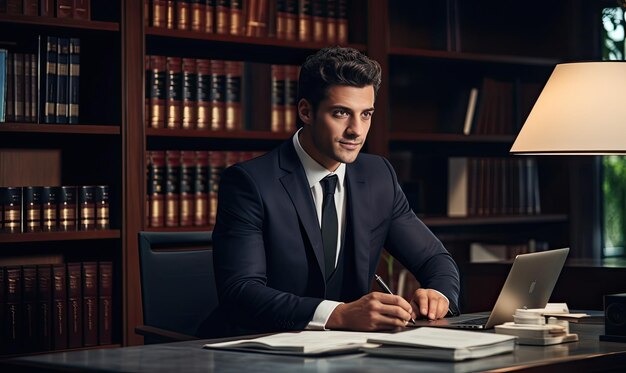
(337, 130)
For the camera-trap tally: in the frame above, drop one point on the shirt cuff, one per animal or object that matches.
(322, 314)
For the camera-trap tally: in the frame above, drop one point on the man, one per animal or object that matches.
(300, 230)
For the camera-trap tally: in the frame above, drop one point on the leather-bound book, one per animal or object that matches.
(13, 333)
(331, 22)
(256, 18)
(65, 8)
(291, 20)
(190, 93)
(278, 98)
(44, 307)
(198, 15)
(59, 307)
(105, 303)
(342, 22)
(61, 101)
(18, 86)
(31, 7)
(217, 163)
(67, 208)
(236, 17)
(158, 90)
(188, 168)
(90, 303)
(34, 88)
(291, 94)
(32, 209)
(82, 9)
(218, 95)
(203, 95)
(74, 83)
(47, 8)
(222, 16)
(11, 198)
(159, 13)
(74, 305)
(29, 306)
(173, 100)
(172, 188)
(234, 117)
(86, 208)
(101, 200)
(49, 207)
(209, 19)
(305, 15)
(48, 76)
(156, 188)
(183, 15)
(201, 189)
(318, 20)
(170, 14)
(27, 87)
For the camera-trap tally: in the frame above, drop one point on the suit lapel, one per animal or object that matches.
(358, 202)
(297, 187)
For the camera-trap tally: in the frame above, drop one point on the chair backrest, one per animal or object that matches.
(177, 281)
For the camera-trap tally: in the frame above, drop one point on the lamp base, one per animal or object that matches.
(613, 338)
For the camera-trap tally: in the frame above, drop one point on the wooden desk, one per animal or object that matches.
(587, 355)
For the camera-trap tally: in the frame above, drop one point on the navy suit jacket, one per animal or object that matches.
(268, 252)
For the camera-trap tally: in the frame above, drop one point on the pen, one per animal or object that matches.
(381, 283)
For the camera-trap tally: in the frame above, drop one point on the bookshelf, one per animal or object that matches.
(86, 153)
(431, 54)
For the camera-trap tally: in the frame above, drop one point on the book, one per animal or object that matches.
(82, 9)
(188, 168)
(31, 7)
(256, 21)
(105, 303)
(342, 22)
(190, 93)
(159, 15)
(67, 208)
(10, 89)
(32, 209)
(457, 187)
(11, 200)
(201, 189)
(198, 15)
(236, 17)
(158, 91)
(318, 21)
(65, 8)
(18, 87)
(301, 343)
(170, 16)
(156, 188)
(218, 95)
(73, 84)
(183, 16)
(90, 303)
(291, 97)
(47, 8)
(3, 80)
(86, 208)
(63, 59)
(48, 76)
(29, 306)
(59, 307)
(172, 188)
(471, 109)
(234, 117)
(101, 200)
(74, 305)
(278, 98)
(305, 16)
(440, 344)
(222, 16)
(49, 208)
(209, 25)
(203, 95)
(12, 323)
(44, 306)
(174, 92)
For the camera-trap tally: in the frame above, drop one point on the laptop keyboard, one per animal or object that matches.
(478, 321)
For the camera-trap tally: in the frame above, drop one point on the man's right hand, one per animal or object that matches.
(374, 311)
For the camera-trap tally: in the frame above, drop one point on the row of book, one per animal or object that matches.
(182, 186)
(189, 93)
(42, 87)
(51, 208)
(323, 21)
(493, 186)
(498, 107)
(56, 306)
(77, 9)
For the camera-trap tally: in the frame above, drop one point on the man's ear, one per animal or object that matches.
(305, 111)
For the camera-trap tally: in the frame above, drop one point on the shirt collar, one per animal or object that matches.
(315, 171)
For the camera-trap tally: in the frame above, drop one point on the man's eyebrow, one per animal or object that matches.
(349, 109)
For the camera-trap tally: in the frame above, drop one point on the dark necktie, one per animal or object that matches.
(330, 227)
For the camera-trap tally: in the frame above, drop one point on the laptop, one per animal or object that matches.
(529, 285)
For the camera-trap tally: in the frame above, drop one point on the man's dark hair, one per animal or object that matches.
(336, 66)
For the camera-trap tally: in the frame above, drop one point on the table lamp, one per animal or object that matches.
(581, 110)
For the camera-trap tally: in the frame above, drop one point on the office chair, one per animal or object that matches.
(177, 284)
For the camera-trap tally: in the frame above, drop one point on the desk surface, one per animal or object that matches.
(589, 354)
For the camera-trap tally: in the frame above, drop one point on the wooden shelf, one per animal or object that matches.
(449, 137)
(59, 236)
(493, 220)
(59, 22)
(85, 129)
(239, 135)
(179, 229)
(472, 57)
(242, 40)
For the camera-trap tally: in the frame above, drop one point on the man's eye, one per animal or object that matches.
(367, 114)
(341, 113)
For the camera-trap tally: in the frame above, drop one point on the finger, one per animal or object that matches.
(433, 304)
(389, 322)
(394, 311)
(442, 309)
(422, 302)
(393, 300)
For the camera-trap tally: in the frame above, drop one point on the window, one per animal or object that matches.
(614, 167)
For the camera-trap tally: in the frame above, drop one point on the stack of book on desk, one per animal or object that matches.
(531, 328)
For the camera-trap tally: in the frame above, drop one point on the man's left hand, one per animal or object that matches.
(428, 303)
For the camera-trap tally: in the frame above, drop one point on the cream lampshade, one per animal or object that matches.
(581, 110)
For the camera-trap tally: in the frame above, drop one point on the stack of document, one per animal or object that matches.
(440, 344)
(538, 335)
